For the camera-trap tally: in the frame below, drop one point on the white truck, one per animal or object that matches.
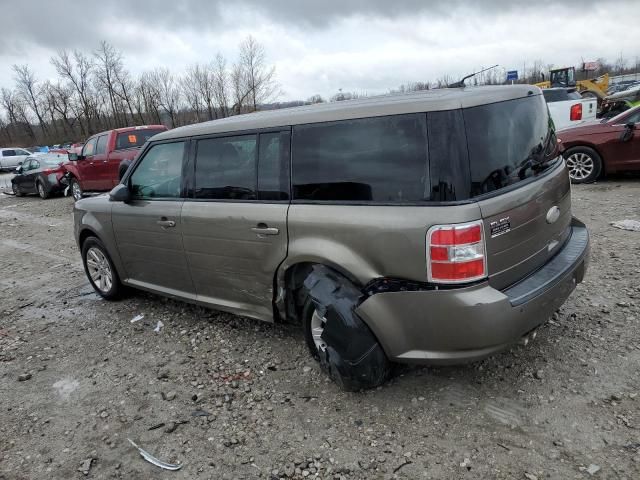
(568, 108)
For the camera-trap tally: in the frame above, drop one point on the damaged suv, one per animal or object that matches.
(431, 227)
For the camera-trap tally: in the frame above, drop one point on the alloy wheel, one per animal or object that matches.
(41, 190)
(580, 165)
(99, 269)
(76, 191)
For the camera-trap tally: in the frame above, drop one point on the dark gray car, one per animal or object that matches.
(432, 227)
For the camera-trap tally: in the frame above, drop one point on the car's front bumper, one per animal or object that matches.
(464, 324)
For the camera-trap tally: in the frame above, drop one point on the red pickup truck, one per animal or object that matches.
(96, 168)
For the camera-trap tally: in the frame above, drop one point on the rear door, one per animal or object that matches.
(148, 229)
(521, 186)
(235, 223)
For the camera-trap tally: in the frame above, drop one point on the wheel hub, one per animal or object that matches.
(580, 166)
(99, 269)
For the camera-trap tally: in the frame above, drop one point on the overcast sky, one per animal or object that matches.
(319, 46)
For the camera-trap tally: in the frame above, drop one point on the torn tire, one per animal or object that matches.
(345, 347)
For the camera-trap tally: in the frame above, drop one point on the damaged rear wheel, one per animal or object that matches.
(343, 344)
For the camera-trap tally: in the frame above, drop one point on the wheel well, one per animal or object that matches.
(84, 234)
(294, 277)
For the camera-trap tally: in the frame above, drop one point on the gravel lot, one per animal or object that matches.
(230, 397)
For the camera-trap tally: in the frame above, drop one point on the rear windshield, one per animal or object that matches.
(451, 155)
(135, 138)
(508, 142)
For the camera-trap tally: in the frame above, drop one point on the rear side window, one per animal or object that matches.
(273, 172)
(8, 153)
(448, 156)
(381, 159)
(507, 142)
(135, 138)
(226, 168)
(101, 146)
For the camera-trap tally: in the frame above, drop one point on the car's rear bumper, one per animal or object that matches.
(465, 324)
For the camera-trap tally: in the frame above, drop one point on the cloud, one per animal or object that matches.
(320, 46)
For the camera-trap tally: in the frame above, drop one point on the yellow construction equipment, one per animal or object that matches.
(566, 77)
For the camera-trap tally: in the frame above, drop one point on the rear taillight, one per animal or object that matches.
(576, 112)
(456, 253)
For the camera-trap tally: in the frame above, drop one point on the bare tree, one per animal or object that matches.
(221, 84)
(168, 93)
(107, 70)
(259, 78)
(191, 92)
(28, 89)
(77, 73)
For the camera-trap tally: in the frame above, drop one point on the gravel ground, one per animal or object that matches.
(230, 397)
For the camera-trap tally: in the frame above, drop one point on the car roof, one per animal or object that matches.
(393, 104)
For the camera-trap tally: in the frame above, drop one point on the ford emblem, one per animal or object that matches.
(553, 214)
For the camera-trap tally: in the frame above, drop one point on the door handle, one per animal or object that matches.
(164, 223)
(263, 229)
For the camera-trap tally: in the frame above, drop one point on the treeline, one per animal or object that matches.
(96, 92)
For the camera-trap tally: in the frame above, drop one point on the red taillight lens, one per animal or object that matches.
(456, 253)
(576, 112)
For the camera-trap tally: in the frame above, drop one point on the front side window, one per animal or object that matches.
(89, 148)
(381, 159)
(226, 168)
(159, 173)
(22, 152)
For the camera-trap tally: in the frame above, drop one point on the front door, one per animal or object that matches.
(148, 229)
(86, 166)
(235, 223)
(624, 146)
(101, 175)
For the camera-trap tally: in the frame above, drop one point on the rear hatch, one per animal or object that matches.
(520, 183)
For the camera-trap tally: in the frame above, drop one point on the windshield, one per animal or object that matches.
(135, 138)
(620, 118)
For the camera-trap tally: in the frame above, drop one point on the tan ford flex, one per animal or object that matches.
(431, 227)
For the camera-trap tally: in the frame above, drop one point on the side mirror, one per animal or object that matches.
(19, 169)
(627, 133)
(120, 193)
(74, 157)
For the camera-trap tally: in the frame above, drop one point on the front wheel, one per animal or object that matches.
(44, 194)
(584, 164)
(100, 270)
(343, 344)
(76, 189)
